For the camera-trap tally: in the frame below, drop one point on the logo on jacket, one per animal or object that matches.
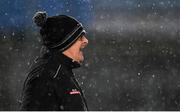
(74, 91)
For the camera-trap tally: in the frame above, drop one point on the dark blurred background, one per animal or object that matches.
(132, 61)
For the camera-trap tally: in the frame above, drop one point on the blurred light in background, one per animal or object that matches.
(19, 13)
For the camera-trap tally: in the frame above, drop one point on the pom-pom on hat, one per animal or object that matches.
(58, 32)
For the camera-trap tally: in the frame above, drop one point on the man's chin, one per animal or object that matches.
(81, 59)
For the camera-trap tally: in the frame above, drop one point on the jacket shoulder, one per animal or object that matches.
(36, 70)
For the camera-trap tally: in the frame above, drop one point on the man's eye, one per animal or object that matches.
(81, 37)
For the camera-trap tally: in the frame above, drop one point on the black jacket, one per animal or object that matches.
(51, 85)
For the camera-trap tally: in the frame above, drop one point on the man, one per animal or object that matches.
(50, 84)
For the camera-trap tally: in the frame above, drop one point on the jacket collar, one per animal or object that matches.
(60, 58)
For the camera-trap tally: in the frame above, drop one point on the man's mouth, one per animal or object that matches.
(81, 49)
(81, 55)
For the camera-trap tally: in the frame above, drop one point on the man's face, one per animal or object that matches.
(75, 51)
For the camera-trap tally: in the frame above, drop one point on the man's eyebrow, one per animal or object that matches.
(81, 35)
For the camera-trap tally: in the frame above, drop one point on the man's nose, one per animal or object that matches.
(85, 40)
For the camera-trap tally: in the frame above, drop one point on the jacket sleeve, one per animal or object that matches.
(39, 94)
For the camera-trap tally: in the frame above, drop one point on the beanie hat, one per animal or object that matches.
(58, 32)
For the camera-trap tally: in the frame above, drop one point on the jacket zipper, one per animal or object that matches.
(82, 94)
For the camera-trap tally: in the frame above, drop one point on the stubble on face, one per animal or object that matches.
(76, 50)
